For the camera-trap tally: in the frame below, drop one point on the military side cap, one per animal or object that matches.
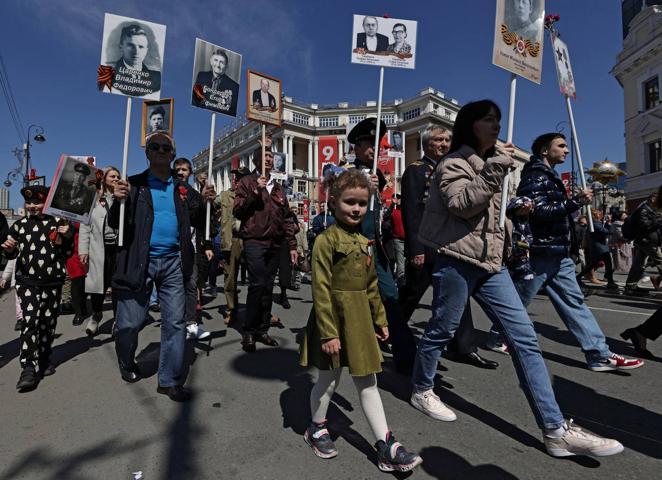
(35, 192)
(241, 172)
(82, 168)
(366, 129)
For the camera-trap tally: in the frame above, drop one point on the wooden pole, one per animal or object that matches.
(209, 174)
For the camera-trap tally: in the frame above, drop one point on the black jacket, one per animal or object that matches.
(415, 190)
(133, 256)
(648, 224)
(551, 224)
(362, 42)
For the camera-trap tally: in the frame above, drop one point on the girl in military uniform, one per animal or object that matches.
(346, 320)
(41, 245)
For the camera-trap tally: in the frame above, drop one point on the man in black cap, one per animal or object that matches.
(362, 136)
(75, 196)
(231, 245)
(436, 141)
(41, 245)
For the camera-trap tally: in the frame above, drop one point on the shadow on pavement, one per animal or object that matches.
(443, 464)
(635, 427)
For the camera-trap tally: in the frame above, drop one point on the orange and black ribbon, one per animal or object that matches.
(511, 38)
(198, 92)
(105, 77)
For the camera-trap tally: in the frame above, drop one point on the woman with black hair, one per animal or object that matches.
(461, 222)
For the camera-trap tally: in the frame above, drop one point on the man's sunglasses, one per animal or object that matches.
(155, 147)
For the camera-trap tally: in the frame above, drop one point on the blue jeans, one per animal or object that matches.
(153, 297)
(453, 282)
(557, 274)
(166, 275)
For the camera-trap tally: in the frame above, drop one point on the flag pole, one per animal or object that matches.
(125, 161)
(580, 165)
(209, 174)
(377, 137)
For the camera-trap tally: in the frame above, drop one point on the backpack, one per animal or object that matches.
(630, 228)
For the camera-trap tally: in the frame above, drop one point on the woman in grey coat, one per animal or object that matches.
(97, 247)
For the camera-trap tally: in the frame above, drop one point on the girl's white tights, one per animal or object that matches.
(371, 402)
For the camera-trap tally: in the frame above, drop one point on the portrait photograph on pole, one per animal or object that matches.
(216, 78)
(73, 192)
(563, 67)
(396, 141)
(518, 37)
(279, 168)
(131, 57)
(263, 98)
(157, 116)
(385, 42)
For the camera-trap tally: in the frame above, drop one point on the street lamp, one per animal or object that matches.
(25, 158)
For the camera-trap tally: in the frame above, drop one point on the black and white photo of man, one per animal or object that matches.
(525, 18)
(396, 141)
(215, 74)
(74, 194)
(157, 120)
(370, 40)
(262, 98)
(134, 47)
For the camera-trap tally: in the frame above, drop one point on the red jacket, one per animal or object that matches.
(75, 268)
(398, 227)
(265, 218)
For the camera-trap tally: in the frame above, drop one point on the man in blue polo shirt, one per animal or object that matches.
(159, 212)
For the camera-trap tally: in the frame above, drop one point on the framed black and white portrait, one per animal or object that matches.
(263, 94)
(73, 193)
(131, 57)
(158, 116)
(279, 168)
(386, 42)
(216, 78)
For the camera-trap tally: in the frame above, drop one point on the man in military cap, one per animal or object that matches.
(436, 141)
(362, 136)
(74, 195)
(231, 245)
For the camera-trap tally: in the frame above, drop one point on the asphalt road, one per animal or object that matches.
(250, 411)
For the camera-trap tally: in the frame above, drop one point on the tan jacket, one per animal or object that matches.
(229, 225)
(461, 217)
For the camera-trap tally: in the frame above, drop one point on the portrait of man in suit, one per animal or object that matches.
(75, 195)
(134, 46)
(157, 120)
(370, 40)
(525, 18)
(219, 85)
(262, 98)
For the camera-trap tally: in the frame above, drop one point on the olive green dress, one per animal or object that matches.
(346, 304)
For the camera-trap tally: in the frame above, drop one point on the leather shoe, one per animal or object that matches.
(638, 341)
(131, 375)
(476, 360)
(28, 380)
(284, 302)
(176, 393)
(78, 320)
(248, 342)
(266, 339)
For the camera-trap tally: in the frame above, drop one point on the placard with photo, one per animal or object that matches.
(158, 116)
(279, 168)
(396, 141)
(384, 42)
(519, 37)
(263, 97)
(216, 78)
(73, 193)
(131, 57)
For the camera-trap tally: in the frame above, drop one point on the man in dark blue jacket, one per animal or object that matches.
(553, 242)
(159, 212)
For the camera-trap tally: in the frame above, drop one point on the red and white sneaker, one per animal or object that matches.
(615, 362)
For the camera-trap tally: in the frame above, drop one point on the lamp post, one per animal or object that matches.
(23, 157)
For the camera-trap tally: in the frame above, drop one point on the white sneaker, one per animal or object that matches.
(576, 441)
(430, 404)
(193, 331)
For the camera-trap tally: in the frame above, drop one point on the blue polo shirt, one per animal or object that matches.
(164, 241)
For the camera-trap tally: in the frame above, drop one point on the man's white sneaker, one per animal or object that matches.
(430, 404)
(576, 441)
(193, 331)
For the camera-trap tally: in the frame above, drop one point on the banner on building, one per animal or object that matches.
(327, 154)
(131, 57)
(563, 67)
(518, 37)
(387, 166)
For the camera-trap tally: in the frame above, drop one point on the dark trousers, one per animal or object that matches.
(110, 254)
(78, 296)
(609, 267)
(652, 328)
(284, 268)
(400, 336)
(417, 282)
(262, 261)
(40, 309)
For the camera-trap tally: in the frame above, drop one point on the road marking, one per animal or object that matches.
(621, 311)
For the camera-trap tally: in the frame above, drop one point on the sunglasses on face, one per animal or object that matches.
(155, 147)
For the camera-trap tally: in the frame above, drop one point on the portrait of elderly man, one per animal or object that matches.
(399, 44)
(157, 120)
(262, 98)
(370, 40)
(134, 47)
(524, 17)
(217, 79)
(74, 195)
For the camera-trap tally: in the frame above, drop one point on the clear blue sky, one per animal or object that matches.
(51, 49)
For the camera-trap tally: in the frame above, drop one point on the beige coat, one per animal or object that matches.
(461, 217)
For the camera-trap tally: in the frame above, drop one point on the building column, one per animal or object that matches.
(310, 159)
(315, 157)
(340, 149)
